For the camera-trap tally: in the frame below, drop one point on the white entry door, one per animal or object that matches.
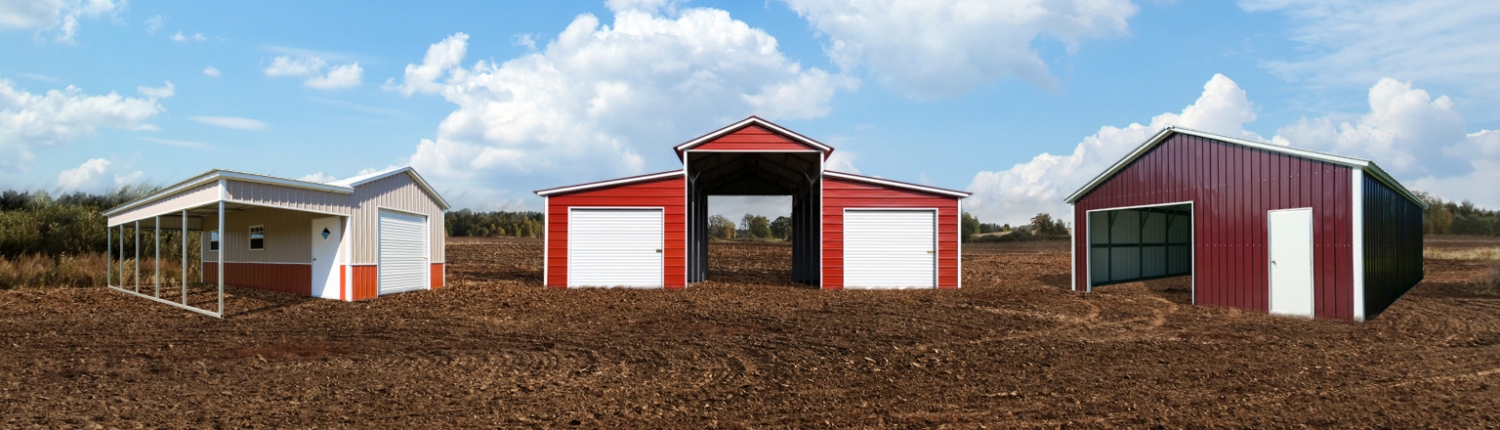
(1291, 262)
(890, 249)
(403, 252)
(327, 234)
(615, 247)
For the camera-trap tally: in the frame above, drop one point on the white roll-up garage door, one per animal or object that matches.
(403, 252)
(890, 249)
(615, 247)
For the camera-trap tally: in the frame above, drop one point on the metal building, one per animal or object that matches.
(348, 240)
(849, 231)
(1257, 226)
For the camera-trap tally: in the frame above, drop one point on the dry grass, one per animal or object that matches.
(1462, 254)
(79, 271)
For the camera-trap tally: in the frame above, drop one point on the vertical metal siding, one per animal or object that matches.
(1232, 187)
(840, 194)
(287, 236)
(287, 197)
(669, 194)
(397, 192)
(1392, 245)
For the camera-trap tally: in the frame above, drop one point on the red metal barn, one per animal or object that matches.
(848, 231)
(1257, 226)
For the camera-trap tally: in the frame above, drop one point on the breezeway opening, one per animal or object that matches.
(1140, 243)
(734, 176)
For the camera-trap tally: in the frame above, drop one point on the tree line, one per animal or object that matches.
(1462, 218)
(751, 226)
(38, 223)
(1042, 227)
(468, 223)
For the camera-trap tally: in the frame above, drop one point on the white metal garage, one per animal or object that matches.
(403, 252)
(890, 248)
(615, 247)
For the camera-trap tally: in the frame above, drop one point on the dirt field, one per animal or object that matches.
(751, 349)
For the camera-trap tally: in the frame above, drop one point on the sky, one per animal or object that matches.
(1020, 102)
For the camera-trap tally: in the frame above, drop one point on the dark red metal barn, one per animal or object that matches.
(1259, 227)
(848, 231)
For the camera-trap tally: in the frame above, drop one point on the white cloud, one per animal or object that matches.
(1404, 126)
(582, 104)
(319, 178)
(942, 48)
(211, 71)
(233, 122)
(154, 23)
(842, 160)
(1039, 186)
(158, 93)
(95, 175)
(1353, 43)
(179, 37)
(648, 6)
(28, 121)
(49, 15)
(345, 76)
(440, 58)
(341, 76)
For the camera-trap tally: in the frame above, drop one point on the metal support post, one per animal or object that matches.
(222, 250)
(184, 256)
(156, 241)
(109, 256)
(137, 233)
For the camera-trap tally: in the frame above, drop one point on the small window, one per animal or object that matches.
(213, 241)
(257, 237)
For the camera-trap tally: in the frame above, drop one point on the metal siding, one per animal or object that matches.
(668, 193)
(753, 138)
(1232, 187)
(190, 198)
(839, 194)
(397, 192)
(281, 278)
(287, 197)
(1393, 245)
(287, 237)
(890, 249)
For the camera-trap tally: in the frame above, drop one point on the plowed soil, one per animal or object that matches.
(750, 348)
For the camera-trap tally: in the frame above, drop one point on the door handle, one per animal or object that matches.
(658, 251)
(931, 252)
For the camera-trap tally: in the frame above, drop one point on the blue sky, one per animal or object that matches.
(1018, 101)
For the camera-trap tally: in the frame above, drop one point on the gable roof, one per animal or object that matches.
(609, 183)
(356, 181)
(753, 120)
(896, 184)
(345, 186)
(1358, 163)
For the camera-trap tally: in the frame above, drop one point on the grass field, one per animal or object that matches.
(750, 348)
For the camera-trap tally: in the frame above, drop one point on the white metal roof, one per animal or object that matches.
(345, 186)
(897, 184)
(1366, 165)
(753, 120)
(609, 183)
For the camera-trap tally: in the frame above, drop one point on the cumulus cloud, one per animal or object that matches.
(319, 178)
(1039, 186)
(942, 48)
(233, 122)
(29, 121)
(96, 176)
(1353, 43)
(311, 67)
(58, 16)
(583, 103)
(158, 93)
(210, 71)
(1404, 125)
(155, 23)
(345, 76)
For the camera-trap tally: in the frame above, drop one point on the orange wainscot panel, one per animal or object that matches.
(282, 278)
(366, 282)
(438, 276)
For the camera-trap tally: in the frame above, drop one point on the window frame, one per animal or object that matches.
(250, 239)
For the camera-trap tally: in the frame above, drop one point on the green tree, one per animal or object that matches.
(781, 228)
(758, 226)
(970, 225)
(720, 227)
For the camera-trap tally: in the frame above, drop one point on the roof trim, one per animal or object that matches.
(752, 120)
(1161, 136)
(609, 183)
(897, 184)
(415, 177)
(217, 174)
